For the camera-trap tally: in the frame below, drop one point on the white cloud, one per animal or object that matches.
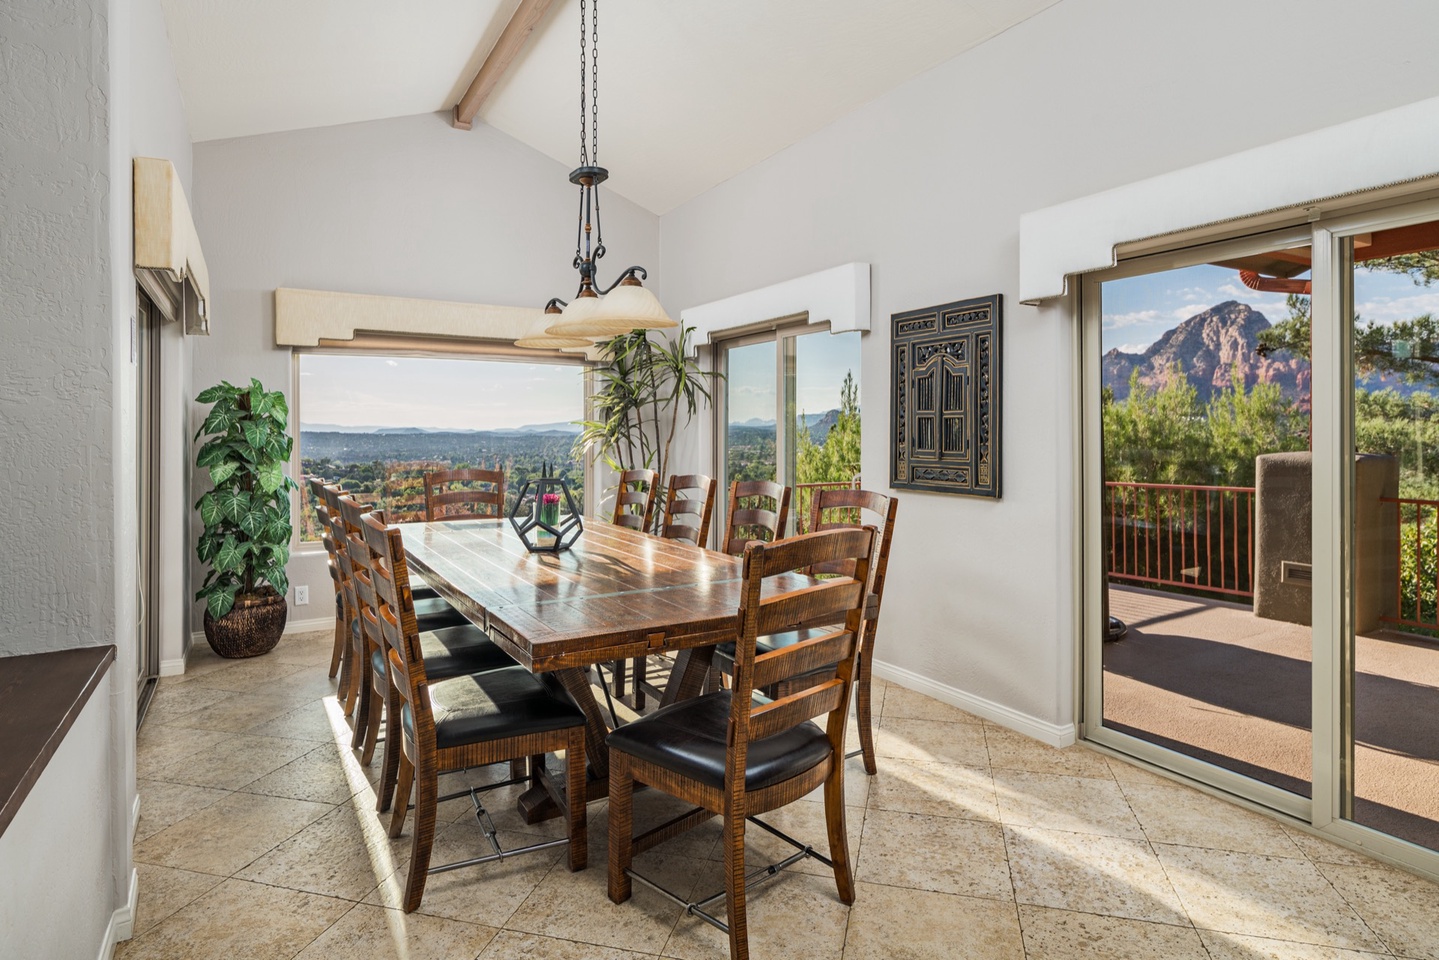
(1116, 321)
(1234, 290)
(1388, 310)
(392, 363)
(1132, 347)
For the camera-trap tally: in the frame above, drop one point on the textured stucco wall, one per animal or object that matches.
(56, 386)
(928, 183)
(406, 207)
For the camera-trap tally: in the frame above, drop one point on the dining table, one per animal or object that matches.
(616, 594)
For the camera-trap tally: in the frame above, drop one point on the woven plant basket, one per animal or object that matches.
(250, 629)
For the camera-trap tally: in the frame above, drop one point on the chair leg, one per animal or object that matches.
(406, 779)
(390, 765)
(379, 694)
(863, 714)
(838, 838)
(620, 668)
(345, 691)
(355, 669)
(621, 826)
(737, 913)
(365, 702)
(577, 794)
(641, 668)
(426, 801)
(338, 653)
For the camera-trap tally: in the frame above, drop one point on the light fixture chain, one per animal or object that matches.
(584, 145)
(595, 81)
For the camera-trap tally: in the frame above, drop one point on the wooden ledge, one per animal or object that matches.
(41, 694)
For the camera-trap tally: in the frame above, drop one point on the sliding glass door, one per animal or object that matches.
(1261, 421)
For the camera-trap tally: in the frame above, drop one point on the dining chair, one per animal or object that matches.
(469, 494)
(434, 614)
(688, 517)
(322, 513)
(635, 500)
(758, 511)
(453, 724)
(737, 756)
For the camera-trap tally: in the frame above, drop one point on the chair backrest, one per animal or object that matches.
(688, 517)
(760, 518)
(393, 618)
(826, 660)
(464, 495)
(635, 499)
(847, 509)
(327, 537)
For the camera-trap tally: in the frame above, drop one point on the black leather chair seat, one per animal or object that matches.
(454, 651)
(688, 738)
(505, 702)
(435, 613)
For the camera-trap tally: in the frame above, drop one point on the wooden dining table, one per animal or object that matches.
(616, 594)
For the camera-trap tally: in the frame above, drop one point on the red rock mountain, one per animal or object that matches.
(1207, 347)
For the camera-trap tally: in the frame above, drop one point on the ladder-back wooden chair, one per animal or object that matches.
(498, 715)
(465, 495)
(758, 511)
(737, 757)
(635, 500)
(688, 517)
(322, 513)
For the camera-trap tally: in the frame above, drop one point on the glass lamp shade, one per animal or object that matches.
(625, 308)
(546, 342)
(573, 318)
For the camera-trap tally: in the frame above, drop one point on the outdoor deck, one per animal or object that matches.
(1210, 679)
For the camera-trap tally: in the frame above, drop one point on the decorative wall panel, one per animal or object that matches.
(945, 424)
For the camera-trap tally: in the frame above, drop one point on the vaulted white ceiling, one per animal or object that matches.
(690, 93)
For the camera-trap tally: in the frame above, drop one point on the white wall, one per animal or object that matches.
(928, 183)
(403, 207)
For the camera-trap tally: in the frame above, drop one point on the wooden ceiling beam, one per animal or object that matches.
(526, 17)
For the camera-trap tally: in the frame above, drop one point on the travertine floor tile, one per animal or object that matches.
(238, 713)
(513, 945)
(248, 676)
(1321, 850)
(228, 834)
(576, 906)
(369, 932)
(906, 704)
(794, 914)
(804, 822)
(235, 762)
(857, 783)
(333, 856)
(1285, 899)
(935, 789)
(1073, 804)
(327, 774)
(239, 920)
(175, 700)
(1171, 813)
(321, 720)
(1401, 908)
(1091, 874)
(892, 923)
(1010, 750)
(943, 854)
(164, 890)
(163, 804)
(1066, 935)
(1233, 946)
(931, 740)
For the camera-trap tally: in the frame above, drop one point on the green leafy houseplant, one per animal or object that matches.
(246, 517)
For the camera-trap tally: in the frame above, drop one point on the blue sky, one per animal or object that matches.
(821, 361)
(1138, 310)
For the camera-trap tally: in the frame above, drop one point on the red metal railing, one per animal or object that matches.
(1182, 535)
(803, 497)
(1417, 583)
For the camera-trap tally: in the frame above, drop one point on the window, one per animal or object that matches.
(790, 412)
(377, 424)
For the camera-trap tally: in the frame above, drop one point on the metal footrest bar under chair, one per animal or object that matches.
(487, 825)
(695, 908)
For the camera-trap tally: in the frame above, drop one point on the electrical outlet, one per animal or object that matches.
(302, 596)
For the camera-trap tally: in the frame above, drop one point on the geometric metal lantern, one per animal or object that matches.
(945, 411)
(547, 519)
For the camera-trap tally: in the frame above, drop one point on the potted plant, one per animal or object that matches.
(246, 517)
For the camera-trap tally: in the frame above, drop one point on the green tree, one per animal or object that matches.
(837, 458)
(1157, 435)
(1242, 425)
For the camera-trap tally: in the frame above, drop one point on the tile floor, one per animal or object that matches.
(258, 840)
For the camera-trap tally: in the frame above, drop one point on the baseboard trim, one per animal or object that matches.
(1054, 734)
(172, 668)
(122, 921)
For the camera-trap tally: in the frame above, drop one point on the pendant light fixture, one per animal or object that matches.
(624, 305)
(546, 341)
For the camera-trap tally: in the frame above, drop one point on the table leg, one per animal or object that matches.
(687, 678)
(535, 803)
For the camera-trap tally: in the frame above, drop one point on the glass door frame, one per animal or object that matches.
(1332, 432)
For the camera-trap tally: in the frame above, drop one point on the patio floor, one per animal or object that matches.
(1210, 679)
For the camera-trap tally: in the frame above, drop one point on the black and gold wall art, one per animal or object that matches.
(944, 415)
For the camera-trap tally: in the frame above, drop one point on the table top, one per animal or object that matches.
(615, 594)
